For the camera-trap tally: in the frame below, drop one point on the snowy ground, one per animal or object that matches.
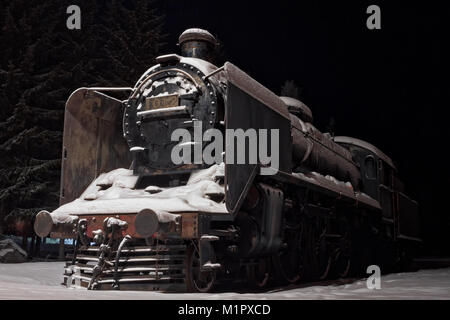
(41, 280)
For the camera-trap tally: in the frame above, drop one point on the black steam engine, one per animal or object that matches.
(333, 207)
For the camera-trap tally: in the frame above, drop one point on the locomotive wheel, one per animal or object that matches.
(321, 255)
(196, 280)
(289, 260)
(259, 273)
(342, 257)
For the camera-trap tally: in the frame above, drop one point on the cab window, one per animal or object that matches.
(371, 168)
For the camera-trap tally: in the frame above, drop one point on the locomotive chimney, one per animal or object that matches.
(198, 43)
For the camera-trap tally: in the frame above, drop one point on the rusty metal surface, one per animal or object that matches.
(150, 131)
(319, 183)
(189, 226)
(249, 105)
(157, 267)
(63, 231)
(43, 223)
(317, 151)
(298, 108)
(243, 111)
(92, 142)
(95, 222)
(44, 226)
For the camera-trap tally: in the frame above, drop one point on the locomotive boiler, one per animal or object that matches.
(332, 207)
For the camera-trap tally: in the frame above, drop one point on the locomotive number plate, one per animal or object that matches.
(168, 101)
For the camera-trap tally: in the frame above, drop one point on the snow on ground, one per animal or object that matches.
(41, 280)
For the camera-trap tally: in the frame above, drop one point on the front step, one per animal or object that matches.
(149, 268)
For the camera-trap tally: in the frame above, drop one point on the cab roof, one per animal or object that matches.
(367, 146)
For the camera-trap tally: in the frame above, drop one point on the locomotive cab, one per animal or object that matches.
(380, 181)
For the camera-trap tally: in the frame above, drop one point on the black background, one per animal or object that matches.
(279, 309)
(388, 87)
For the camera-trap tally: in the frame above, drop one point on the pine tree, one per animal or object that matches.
(41, 63)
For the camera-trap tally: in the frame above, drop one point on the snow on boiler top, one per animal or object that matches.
(114, 193)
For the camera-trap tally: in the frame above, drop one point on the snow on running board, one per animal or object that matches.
(114, 193)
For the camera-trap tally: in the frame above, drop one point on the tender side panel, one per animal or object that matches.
(408, 217)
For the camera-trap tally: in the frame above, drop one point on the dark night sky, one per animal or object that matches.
(383, 86)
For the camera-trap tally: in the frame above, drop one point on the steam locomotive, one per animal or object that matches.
(333, 206)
